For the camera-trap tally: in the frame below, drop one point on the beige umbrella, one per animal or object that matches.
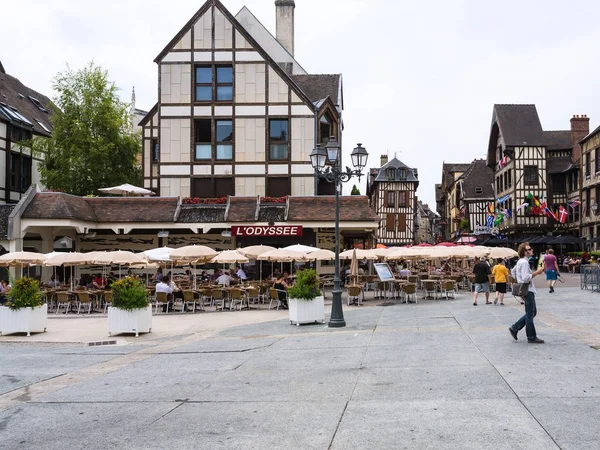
(229, 257)
(471, 252)
(381, 252)
(68, 259)
(354, 267)
(502, 252)
(320, 255)
(254, 250)
(193, 253)
(360, 254)
(282, 255)
(22, 259)
(408, 253)
(120, 257)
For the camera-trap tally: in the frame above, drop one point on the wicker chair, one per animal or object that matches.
(354, 292)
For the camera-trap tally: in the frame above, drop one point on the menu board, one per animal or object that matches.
(384, 272)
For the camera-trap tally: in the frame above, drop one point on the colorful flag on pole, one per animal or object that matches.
(490, 221)
(548, 212)
(573, 203)
(562, 214)
(503, 199)
(521, 206)
(490, 209)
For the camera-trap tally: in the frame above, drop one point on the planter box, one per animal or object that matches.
(24, 320)
(136, 321)
(307, 311)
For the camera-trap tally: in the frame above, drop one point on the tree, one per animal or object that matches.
(93, 144)
(355, 191)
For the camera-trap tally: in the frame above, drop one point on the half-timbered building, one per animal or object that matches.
(590, 190)
(448, 198)
(24, 113)
(529, 162)
(476, 193)
(236, 113)
(392, 195)
(428, 230)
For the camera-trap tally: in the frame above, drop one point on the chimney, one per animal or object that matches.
(580, 128)
(384, 160)
(284, 11)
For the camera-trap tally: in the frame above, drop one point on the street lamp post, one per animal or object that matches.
(319, 158)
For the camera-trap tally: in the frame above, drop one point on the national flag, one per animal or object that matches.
(490, 221)
(562, 214)
(503, 199)
(536, 202)
(573, 203)
(490, 209)
(507, 213)
(522, 205)
(548, 212)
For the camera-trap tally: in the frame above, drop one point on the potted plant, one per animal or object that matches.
(305, 302)
(130, 311)
(25, 311)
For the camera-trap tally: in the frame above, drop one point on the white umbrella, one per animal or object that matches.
(22, 259)
(229, 257)
(360, 254)
(408, 252)
(120, 257)
(162, 254)
(127, 189)
(320, 255)
(282, 255)
(471, 252)
(502, 252)
(301, 248)
(68, 259)
(191, 253)
(253, 251)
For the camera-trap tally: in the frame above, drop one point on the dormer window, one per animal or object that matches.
(478, 190)
(37, 103)
(391, 174)
(402, 174)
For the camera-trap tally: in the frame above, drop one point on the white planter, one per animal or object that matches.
(307, 311)
(136, 321)
(24, 320)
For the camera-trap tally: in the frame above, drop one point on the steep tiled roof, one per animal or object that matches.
(202, 214)
(396, 164)
(318, 87)
(593, 133)
(557, 139)
(56, 205)
(322, 208)
(134, 209)
(242, 209)
(438, 193)
(271, 213)
(5, 211)
(559, 165)
(10, 88)
(479, 175)
(519, 124)
(450, 168)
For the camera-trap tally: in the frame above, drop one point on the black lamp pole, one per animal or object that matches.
(319, 158)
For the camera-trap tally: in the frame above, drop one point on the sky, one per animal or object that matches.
(420, 78)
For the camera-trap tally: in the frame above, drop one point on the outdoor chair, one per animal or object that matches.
(161, 300)
(430, 288)
(178, 305)
(448, 288)
(380, 288)
(107, 298)
(237, 297)
(274, 296)
(84, 302)
(253, 294)
(218, 296)
(189, 301)
(410, 290)
(354, 293)
(63, 301)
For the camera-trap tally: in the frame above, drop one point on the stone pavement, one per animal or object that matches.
(437, 374)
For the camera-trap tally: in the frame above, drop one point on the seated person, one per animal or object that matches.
(53, 283)
(224, 280)
(100, 281)
(4, 290)
(204, 276)
(282, 287)
(159, 275)
(241, 274)
(404, 272)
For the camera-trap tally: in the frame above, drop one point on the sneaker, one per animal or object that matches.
(536, 341)
(551, 289)
(495, 301)
(513, 333)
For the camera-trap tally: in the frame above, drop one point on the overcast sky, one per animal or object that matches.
(420, 78)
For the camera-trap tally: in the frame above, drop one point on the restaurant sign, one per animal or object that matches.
(275, 230)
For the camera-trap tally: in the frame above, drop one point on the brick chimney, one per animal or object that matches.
(384, 160)
(284, 23)
(580, 128)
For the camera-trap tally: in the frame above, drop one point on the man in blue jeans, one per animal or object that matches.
(522, 273)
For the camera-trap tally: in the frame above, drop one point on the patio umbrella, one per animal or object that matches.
(477, 251)
(354, 267)
(408, 252)
(229, 257)
(320, 255)
(466, 239)
(118, 257)
(192, 253)
(301, 248)
(254, 250)
(22, 259)
(360, 254)
(446, 244)
(282, 255)
(67, 259)
(127, 189)
(502, 252)
(161, 254)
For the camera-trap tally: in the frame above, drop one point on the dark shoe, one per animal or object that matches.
(536, 341)
(501, 304)
(474, 303)
(551, 289)
(513, 333)
(495, 301)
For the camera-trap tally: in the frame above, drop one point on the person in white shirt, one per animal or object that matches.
(165, 286)
(224, 280)
(241, 274)
(522, 273)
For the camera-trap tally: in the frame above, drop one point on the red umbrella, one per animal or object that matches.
(446, 244)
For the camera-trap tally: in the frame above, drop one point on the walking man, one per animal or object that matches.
(551, 266)
(482, 270)
(500, 273)
(522, 273)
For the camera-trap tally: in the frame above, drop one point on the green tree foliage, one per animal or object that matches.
(355, 191)
(93, 144)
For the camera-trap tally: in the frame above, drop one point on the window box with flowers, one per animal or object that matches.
(25, 310)
(130, 311)
(271, 200)
(204, 201)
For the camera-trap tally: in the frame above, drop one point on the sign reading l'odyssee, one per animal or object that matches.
(275, 230)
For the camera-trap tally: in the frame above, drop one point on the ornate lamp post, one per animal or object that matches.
(319, 158)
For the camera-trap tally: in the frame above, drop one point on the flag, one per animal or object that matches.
(521, 206)
(562, 214)
(548, 212)
(462, 210)
(490, 209)
(573, 203)
(536, 202)
(490, 221)
(507, 213)
(503, 199)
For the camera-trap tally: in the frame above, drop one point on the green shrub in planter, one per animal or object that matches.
(25, 293)
(129, 293)
(306, 287)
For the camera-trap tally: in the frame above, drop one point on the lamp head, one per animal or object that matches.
(359, 157)
(318, 158)
(333, 150)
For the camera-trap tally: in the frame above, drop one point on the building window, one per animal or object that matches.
(155, 150)
(326, 128)
(587, 203)
(597, 159)
(478, 191)
(20, 172)
(530, 175)
(509, 172)
(390, 222)
(391, 174)
(402, 174)
(391, 199)
(18, 134)
(212, 187)
(279, 140)
(588, 165)
(402, 199)
(223, 142)
(559, 183)
(279, 186)
(214, 83)
(401, 223)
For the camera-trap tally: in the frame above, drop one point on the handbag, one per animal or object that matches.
(520, 289)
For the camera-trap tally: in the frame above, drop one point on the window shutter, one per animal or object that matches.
(401, 222)
(389, 222)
